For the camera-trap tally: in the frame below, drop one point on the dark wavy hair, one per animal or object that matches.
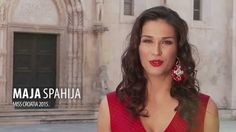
(132, 89)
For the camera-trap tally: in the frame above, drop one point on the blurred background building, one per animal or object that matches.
(78, 44)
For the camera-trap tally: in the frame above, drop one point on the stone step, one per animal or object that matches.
(49, 119)
(26, 114)
(225, 114)
(37, 116)
(3, 109)
(45, 110)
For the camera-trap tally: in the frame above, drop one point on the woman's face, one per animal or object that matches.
(158, 47)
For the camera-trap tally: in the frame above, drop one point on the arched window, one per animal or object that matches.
(197, 10)
(129, 7)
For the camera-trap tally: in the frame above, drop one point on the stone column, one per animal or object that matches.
(4, 99)
(100, 84)
(74, 51)
(3, 87)
(233, 103)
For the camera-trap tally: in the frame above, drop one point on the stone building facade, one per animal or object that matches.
(91, 36)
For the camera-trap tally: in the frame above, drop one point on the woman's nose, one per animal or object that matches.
(157, 48)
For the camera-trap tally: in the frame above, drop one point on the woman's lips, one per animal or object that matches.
(156, 63)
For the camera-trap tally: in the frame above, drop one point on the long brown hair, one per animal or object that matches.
(132, 88)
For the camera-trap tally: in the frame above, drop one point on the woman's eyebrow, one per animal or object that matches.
(146, 36)
(169, 37)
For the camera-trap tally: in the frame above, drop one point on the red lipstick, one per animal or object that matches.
(156, 63)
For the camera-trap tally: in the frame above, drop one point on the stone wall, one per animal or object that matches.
(92, 37)
(76, 47)
(213, 36)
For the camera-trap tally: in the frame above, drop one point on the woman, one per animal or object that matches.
(159, 91)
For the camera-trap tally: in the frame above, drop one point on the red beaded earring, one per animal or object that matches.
(177, 72)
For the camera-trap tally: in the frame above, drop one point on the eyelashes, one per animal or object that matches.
(146, 41)
(166, 42)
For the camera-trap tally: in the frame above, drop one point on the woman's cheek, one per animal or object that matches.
(172, 57)
(143, 52)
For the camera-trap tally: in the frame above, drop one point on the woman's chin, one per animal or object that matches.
(157, 74)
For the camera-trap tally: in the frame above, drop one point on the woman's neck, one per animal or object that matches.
(158, 88)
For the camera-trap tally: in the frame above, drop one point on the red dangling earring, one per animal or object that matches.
(177, 72)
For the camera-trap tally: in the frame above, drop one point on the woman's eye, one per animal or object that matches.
(147, 41)
(167, 42)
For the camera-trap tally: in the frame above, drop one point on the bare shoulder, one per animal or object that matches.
(211, 118)
(104, 104)
(212, 108)
(103, 123)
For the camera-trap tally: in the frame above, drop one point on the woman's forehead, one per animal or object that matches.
(158, 28)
